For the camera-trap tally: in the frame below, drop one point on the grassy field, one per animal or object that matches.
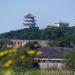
(37, 72)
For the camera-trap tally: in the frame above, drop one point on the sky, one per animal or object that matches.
(47, 12)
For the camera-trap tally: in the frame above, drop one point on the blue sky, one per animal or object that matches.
(47, 12)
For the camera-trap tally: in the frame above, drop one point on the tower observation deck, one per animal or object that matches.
(29, 21)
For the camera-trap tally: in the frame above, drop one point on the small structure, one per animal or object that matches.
(52, 58)
(61, 24)
(19, 42)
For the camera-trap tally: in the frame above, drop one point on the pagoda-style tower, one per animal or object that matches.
(29, 21)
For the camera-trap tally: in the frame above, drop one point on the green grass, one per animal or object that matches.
(37, 72)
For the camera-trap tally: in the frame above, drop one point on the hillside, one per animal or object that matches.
(57, 36)
(21, 34)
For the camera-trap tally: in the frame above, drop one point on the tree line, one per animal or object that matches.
(57, 36)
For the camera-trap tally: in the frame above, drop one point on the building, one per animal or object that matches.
(29, 21)
(43, 43)
(61, 24)
(52, 57)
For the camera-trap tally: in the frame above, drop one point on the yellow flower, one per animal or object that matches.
(39, 52)
(10, 51)
(6, 52)
(22, 57)
(8, 72)
(31, 52)
(8, 63)
(14, 50)
(2, 53)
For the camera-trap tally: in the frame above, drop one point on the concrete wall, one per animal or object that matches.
(47, 65)
(23, 42)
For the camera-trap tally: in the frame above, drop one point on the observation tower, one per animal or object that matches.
(29, 21)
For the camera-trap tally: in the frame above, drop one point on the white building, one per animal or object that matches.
(61, 24)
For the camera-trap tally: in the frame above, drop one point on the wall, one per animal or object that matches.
(23, 42)
(46, 65)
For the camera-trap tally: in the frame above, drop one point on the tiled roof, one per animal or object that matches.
(54, 53)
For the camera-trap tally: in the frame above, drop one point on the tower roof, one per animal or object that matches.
(29, 16)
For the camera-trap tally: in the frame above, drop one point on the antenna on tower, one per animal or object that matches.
(60, 20)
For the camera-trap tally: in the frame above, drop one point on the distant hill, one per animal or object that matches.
(21, 34)
(57, 36)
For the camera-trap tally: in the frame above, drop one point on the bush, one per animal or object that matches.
(70, 60)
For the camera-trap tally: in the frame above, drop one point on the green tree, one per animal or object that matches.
(4, 42)
(70, 60)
